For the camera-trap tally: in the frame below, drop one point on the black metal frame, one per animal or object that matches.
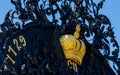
(71, 12)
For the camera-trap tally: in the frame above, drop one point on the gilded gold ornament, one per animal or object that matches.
(73, 48)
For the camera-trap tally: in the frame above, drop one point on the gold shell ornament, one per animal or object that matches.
(73, 48)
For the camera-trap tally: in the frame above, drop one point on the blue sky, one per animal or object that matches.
(110, 8)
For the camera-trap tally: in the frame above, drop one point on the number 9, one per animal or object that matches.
(22, 40)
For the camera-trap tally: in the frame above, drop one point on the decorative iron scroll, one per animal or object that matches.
(29, 41)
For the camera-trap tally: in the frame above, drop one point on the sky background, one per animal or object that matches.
(111, 9)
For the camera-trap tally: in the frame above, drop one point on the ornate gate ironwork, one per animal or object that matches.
(30, 39)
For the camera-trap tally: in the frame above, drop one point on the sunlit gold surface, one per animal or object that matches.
(73, 48)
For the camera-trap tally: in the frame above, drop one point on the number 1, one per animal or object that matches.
(11, 50)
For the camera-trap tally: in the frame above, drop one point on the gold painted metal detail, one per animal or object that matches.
(9, 57)
(73, 48)
(11, 50)
(74, 65)
(16, 43)
(22, 40)
(76, 33)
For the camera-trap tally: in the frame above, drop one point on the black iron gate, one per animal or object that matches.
(51, 37)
